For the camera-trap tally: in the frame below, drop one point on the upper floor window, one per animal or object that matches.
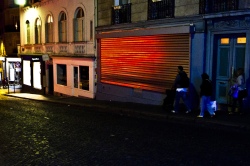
(38, 31)
(213, 6)
(79, 25)
(62, 27)
(49, 29)
(27, 31)
(121, 12)
(158, 9)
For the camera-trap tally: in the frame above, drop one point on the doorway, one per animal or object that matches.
(230, 55)
(75, 81)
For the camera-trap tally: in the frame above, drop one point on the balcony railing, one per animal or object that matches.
(121, 14)
(158, 9)
(215, 6)
(76, 49)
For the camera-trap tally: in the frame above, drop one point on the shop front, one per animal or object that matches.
(139, 65)
(33, 75)
(74, 76)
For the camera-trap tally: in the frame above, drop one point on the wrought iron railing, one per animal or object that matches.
(215, 6)
(160, 9)
(121, 14)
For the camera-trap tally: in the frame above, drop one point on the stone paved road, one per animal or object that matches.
(39, 133)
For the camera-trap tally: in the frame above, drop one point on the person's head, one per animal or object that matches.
(180, 68)
(204, 76)
(240, 71)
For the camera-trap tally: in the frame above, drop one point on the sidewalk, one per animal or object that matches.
(221, 120)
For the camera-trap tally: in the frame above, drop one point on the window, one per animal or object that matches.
(84, 77)
(26, 73)
(61, 74)
(224, 40)
(79, 25)
(160, 9)
(49, 29)
(28, 31)
(121, 12)
(91, 30)
(38, 31)
(63, 27)
(37, 83)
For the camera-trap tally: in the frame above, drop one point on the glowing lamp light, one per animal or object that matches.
(20, 2)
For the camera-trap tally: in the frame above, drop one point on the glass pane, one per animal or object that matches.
(37, 75)
(223, 67)
(241, 40)
(61, 74)
(84, 77)
(26, 73)
(75, 77)
(224, 41)
(240, 57)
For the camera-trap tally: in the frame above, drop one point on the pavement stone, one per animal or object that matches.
(221, 120)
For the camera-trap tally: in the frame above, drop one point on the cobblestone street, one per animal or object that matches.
(40, 133)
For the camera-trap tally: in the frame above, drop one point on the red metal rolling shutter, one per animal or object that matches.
(145, 62)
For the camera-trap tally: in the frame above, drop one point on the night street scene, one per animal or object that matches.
(47, 133)
(124, 82)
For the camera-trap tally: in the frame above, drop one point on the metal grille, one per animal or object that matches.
(160, 9)
(213, 6)
(147, 62)
(121, 14)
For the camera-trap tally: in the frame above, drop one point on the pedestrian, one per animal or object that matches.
(206, 91)
(181, 85)
(239, 92)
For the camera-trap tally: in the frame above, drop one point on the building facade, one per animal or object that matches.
(57, 47)
(9, 39)
(141, 43)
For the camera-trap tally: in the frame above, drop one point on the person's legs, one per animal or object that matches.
(202, 106)
(186, 101)
(177, 100)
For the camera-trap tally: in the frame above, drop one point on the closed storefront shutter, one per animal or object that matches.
(145, 62)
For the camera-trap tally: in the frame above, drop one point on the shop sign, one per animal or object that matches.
(45, 57)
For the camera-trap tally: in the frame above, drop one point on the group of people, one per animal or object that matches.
(181, 87)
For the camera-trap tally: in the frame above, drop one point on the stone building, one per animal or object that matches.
(57, 47)
(140, 43)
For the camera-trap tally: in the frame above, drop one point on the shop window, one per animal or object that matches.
(38, 31)
(37, 75)
(61, 74)
(26, 73)
(63, 28)
(79, 25)
(84, 77)
(49, 29)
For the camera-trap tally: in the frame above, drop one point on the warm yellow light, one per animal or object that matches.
(20, 2)
(224, 40)
(241, 40)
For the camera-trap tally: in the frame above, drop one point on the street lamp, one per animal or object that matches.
(20, 2)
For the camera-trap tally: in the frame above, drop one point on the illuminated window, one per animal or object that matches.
(79, 25)
(37, 83)
(26, 73)
(241, 40)
(63, 27)
(62, 74)
(49, 29)
(224, 40)
(38, 31)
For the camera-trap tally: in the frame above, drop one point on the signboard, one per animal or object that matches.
(45, 57)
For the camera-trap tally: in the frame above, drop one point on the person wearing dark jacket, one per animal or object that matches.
(181, 85)
(206, 91)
